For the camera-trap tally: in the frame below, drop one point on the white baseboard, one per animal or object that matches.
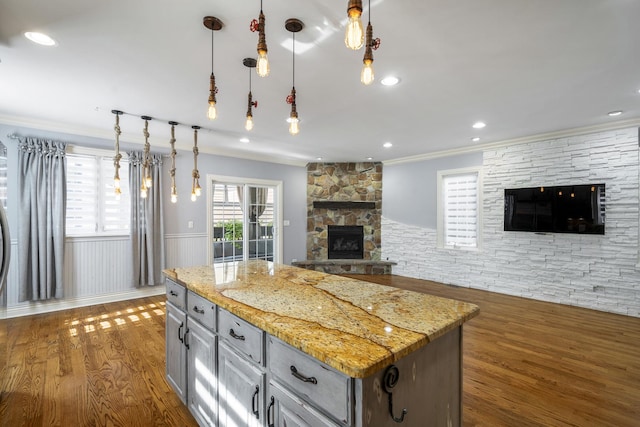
(31, 308)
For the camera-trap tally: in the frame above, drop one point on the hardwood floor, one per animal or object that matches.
(526, 363)
(94, 366)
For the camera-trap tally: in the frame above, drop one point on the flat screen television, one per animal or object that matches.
(558, 209)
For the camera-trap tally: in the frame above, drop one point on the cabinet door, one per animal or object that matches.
(288, 410)
(176, 352)
(241, 395)
(201, 373)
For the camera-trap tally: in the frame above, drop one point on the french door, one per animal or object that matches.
(244, 219)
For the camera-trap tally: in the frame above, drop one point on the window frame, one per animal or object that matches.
(100, 155)
(441, 176)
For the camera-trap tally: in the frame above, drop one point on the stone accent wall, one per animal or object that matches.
(345, 182)
(592, 271)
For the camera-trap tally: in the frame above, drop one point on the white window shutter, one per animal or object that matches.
(461, 210)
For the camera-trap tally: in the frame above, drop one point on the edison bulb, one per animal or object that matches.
(193, 196)
(174, 198)
(148, 182)
(366, 76)
(116, 183)
(294, 128)
(198, 191)
(354, 36)
(262, 66)
(143, 193)
(118, 193)
(249, 123)
(212, 113)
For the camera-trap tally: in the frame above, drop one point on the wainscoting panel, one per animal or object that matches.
(185, 250)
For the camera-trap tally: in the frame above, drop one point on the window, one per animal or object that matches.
(459, 208)
(92, 206)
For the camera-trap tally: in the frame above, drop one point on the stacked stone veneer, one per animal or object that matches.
(344, 182)
(593, 271)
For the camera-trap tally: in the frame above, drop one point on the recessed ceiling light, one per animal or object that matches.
(475, 139)
(387, 145)
(318, 158)
(40, 38)
(479, 125)
(390, 81)
(244, 140)
(369, 158)
(614, 113)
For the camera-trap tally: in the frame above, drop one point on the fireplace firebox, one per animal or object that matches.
(345, 242)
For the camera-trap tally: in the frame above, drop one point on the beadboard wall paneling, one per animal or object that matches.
(591, 271)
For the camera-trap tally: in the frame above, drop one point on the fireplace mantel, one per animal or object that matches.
(329, 204)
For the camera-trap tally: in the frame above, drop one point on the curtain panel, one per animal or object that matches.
(147, 222)
(42, 184)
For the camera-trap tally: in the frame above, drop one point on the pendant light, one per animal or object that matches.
(146, 164)
(172, 171)
(293, 25)
(213, 24)
(262, 67)
(367, 76)
(195, 174)
(250, 63)
(354, 35)
(117, 156)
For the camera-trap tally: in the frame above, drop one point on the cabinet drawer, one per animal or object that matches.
(176, 294)
(315, 382)
(201, 310)
(243, 336)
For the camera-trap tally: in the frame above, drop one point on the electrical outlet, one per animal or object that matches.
(190, 224)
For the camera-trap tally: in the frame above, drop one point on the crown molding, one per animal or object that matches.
(135, 139)
(517, 141)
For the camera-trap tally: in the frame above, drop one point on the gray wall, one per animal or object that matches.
(178, 215)
(410, 189)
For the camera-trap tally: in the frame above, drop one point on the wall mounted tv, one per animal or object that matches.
(559, 209)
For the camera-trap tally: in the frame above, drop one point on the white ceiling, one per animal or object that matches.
(525, 67)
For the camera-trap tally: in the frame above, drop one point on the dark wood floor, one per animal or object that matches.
(526, 363)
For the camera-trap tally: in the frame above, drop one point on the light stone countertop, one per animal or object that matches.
(354, 326)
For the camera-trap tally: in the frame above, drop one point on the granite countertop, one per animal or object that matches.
(354, 326)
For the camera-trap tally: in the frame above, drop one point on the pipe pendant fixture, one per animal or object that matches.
(354, 35)
(250, 63)
(293, 25)
(262, 66)
(213, 24)
(367, 76)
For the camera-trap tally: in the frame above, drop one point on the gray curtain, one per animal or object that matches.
(147, 222)
(42, 183)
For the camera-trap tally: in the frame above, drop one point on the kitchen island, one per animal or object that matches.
(261, 344)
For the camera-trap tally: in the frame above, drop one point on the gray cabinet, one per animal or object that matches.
(286, 409)
(201, 373)
(176, 352)
(241, 395)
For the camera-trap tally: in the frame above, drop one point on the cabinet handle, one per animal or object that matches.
(186, 343)
(173, 293)
(270, 417)
(198, 310)
(180, 332)
(301, 377)
(255, 400)
(233, 335)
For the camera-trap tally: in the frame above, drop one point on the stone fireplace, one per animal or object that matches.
(347, 196)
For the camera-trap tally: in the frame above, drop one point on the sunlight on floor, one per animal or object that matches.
(130, 315)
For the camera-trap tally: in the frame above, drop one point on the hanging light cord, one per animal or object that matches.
(118, 156)
(294, 59)
(212, 31)
(172, 172)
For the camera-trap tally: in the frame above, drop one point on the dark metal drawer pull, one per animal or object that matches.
(301, 377)
(198, 310)
(233, 335)
(255, 400)
(173, 293)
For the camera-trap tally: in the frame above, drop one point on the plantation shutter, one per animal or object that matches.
(115, 213)
(461, 210)
(82, 195)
